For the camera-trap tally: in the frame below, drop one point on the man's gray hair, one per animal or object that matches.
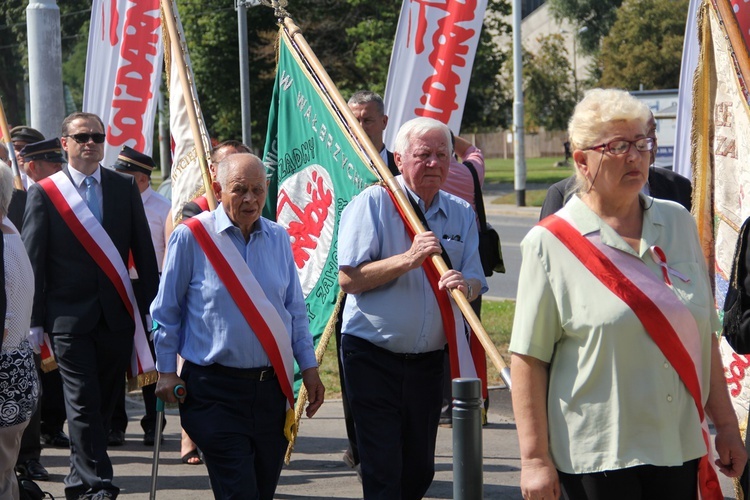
(365, 97)
(223, 168)
(418, 127)
(6, 189)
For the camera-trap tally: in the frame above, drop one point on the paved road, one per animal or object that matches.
(315, 470)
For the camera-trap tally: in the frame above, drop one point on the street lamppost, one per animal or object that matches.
(241, 6)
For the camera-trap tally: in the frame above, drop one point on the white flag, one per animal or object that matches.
(123, 72)
(433, 54)
(690, 49)
(187, 180)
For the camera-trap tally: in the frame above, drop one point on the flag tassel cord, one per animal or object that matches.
(9, 145)
(176, 46)
(300, 44)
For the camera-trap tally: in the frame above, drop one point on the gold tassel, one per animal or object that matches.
(142, 379)
(49, 364)
(302, 397)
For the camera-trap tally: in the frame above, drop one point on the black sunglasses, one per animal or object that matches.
(84, 138)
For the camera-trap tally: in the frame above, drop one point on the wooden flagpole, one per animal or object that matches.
(11, 152)
(300, 44)
(736, 40)
(177, 42)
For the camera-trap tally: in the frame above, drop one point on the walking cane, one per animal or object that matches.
(179, 392)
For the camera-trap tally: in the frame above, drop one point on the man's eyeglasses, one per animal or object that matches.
(84, 138)
(621, 147)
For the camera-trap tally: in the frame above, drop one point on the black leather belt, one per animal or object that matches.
(257, 374)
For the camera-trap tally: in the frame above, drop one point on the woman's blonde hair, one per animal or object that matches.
(595, 113)
(598, 109)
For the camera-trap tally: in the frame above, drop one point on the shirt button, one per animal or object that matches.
(666, 365)
(669, 398)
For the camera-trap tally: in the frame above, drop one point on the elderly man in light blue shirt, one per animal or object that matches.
(393, 335)
(235, 406)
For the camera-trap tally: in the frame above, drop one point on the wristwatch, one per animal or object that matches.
(469, 291)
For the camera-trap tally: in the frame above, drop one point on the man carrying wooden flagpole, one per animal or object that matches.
(377, 164)
(398, 318)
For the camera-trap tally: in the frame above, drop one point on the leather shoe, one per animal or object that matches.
(57, 439)
(32, 469)
(149, 437)
(116, 438)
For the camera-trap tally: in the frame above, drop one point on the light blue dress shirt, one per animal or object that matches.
(403, 316)
(198, 319)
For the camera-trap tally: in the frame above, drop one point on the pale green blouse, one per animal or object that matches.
(614, 401)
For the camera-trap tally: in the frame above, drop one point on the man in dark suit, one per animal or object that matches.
(369, 110)
(41, 159)
(76, 302)
(663, 184)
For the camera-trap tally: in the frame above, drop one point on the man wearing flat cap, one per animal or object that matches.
(158, 210)
(21, 136)
(41, 159)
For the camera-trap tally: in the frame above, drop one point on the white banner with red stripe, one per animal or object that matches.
(84, 226)
(431, 63)
(123, 72)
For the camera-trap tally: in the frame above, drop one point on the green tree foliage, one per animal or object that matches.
(549, 94)
(644, 46)
(596, 16)
(489, 102)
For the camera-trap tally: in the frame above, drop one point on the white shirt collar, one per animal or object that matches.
(79, 177)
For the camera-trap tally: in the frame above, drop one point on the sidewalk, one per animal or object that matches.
(316, 470)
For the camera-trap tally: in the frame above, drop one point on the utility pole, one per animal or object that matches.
(241, 6)
(47, 108)
(519, 160)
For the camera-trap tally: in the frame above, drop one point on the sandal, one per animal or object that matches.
(187, 457)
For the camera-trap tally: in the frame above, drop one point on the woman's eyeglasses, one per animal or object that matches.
(621, 147)
(84, 138)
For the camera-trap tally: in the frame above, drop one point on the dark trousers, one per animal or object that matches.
(395, 401)
(31, 447)
(148, 421)
(92, 365)
(238, 424)
(644, 482)
(53, 402)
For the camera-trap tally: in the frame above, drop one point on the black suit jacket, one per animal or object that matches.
(16, 208)
(662, 183)
(392, 164)
(71, 292)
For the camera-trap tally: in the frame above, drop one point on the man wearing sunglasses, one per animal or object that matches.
(80, 225)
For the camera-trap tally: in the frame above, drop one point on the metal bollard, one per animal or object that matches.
(467, 439)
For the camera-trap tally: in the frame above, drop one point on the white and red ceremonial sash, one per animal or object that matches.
(249, 297)
(123, 72)
(430, 68)
(92, 236)
(667, 321)
(459, 350)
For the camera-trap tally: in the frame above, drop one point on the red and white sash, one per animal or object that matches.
(249, 297)
(665, 318)
(459, 350)
(92, 236)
